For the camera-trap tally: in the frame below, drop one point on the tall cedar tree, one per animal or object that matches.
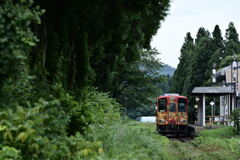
(183, 71)
(115, 30)
(203, 53)
(217, 47)
(232, 45)
(232, 41)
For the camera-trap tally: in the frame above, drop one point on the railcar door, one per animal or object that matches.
(162, 115)
(172, 116)
(182, 111)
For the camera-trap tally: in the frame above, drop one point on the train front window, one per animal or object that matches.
(182, 105)
(172, 107)
(162, 103)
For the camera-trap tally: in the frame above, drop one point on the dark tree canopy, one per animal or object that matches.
(56, 60)
(91, 42)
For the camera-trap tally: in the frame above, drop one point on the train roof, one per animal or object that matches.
(167, 96)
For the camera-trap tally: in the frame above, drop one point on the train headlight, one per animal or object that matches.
(183, 120)
(162, 120)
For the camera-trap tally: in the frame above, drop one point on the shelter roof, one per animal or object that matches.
(213, 90)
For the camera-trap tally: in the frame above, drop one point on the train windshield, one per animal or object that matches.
(182, 105)
(172, 107)
(162, 103)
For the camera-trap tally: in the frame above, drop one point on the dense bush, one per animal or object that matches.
(49, 128)
(236, 120)
(16, 41)
(9, 153)
(95, 108)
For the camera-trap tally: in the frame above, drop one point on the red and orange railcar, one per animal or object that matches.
(172, 114)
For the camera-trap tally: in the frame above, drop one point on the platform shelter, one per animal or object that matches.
(227, 100)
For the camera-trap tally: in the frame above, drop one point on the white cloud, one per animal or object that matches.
(188, 16)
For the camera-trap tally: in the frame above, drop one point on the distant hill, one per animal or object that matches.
(167, 70)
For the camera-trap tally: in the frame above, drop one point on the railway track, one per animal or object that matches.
(180, 139)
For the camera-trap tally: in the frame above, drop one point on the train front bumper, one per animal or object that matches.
(172, 128)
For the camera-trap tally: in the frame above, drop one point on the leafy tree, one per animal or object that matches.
(166, 83)
(142, 83)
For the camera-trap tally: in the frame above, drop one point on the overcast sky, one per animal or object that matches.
(188, 16)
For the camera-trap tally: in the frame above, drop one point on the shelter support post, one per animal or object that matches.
(201, 112)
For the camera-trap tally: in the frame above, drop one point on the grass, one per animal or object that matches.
(219, 143)
(133, 140)
(225, 132)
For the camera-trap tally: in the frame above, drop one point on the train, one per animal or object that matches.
(172, 115)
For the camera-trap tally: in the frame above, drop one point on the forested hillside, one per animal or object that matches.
(66, 66)
(168, 70)
(199, 56)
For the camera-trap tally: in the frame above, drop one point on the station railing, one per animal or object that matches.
(224, 120)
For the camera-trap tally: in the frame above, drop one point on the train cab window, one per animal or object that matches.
(182, 105)
(172, 107)
(162, 104)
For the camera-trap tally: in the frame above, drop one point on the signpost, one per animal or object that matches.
(212, 103)
(196, 110)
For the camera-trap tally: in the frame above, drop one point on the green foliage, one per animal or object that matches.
(94, 108)
(182, 75)
(28, 130)
(217, 47)
(38, 130)
(236, 121)
(9, 153)
(141, 83)
(49, 128)
(16, 40)
(200, 71)
(231, 33)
